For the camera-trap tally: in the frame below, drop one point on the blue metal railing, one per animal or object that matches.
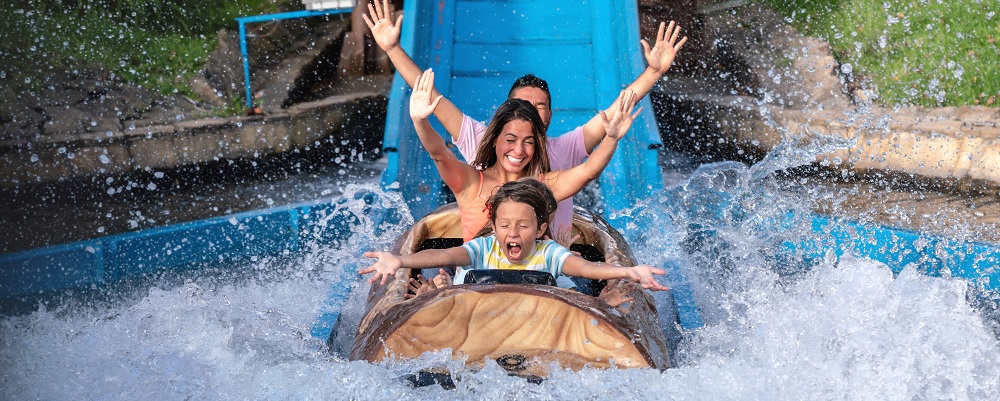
(243, 21)
(104, 261)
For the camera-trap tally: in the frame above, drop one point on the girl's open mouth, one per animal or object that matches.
(513, 251)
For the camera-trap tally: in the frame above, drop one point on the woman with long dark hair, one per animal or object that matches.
(513, 148)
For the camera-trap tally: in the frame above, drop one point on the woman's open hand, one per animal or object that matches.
(418, 286)
(621, 119)
(421, 105)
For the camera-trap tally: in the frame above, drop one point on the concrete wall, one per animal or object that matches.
(161, 146)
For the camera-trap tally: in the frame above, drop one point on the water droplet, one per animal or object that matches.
(846, 68)
(104, 159)
(34, 158)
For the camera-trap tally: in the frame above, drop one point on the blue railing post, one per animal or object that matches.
(246, 62)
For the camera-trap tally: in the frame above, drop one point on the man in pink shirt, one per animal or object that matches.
(565, 151)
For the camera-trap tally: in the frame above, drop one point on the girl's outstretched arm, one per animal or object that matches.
(387, 263)
(642, 274)
(567, 183)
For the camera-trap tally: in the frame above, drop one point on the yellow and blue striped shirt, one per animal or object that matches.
(547, 256)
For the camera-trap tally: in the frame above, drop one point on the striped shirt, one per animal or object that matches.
(547, 256)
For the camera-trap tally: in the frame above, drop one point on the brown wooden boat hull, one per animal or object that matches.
(525, 328)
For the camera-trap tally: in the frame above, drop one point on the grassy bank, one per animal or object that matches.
(156, 44)
(915, 52)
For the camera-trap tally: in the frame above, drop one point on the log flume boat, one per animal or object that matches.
(523, 327)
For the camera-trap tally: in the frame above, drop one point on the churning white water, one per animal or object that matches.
(831, 329)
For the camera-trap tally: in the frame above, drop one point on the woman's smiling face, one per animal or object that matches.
(516, 229)
(515, 146)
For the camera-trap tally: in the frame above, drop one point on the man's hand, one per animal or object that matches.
(661, 56)
(386, 33)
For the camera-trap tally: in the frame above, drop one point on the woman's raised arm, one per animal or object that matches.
(456, 174)
(567, 183)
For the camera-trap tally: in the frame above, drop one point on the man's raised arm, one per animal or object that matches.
(386, 35)
(659, 58)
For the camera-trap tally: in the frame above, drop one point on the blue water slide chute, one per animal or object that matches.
(588, 52)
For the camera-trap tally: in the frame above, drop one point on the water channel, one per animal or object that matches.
(835, 330)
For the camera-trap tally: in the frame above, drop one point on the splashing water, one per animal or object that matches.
(776, 326)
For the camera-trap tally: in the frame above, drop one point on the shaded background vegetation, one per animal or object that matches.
(156, 44)
(907, 52)
(915, 52)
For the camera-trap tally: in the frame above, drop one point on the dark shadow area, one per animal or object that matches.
(90, 207)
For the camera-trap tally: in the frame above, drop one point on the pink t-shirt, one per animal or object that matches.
(565, 151)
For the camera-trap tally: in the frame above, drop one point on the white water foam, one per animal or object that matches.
(846, 330)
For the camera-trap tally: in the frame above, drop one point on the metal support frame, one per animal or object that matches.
(243, 21)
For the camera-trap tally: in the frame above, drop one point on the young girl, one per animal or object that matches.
(513, 147)
(518, 212)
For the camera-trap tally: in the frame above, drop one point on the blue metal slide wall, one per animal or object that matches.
(588, 51)
(101, 261)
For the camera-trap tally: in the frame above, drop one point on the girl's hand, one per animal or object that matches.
(661, 56)
(442, 280)
(621, 119)
(386, 33)
(384, 268)
(421, 105)
(644, 276)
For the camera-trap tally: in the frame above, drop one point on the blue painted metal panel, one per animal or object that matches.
(587, 51)
(329, 312)
(50, 269)
(410, 167)
(899, 248)
(687, 310)
(212, 240)
(634, 173)
(268, 232)
(517, 21)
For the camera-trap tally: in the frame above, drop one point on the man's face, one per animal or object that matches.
(537, 98)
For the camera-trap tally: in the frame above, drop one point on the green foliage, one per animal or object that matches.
(916, 52)
(153, 43)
